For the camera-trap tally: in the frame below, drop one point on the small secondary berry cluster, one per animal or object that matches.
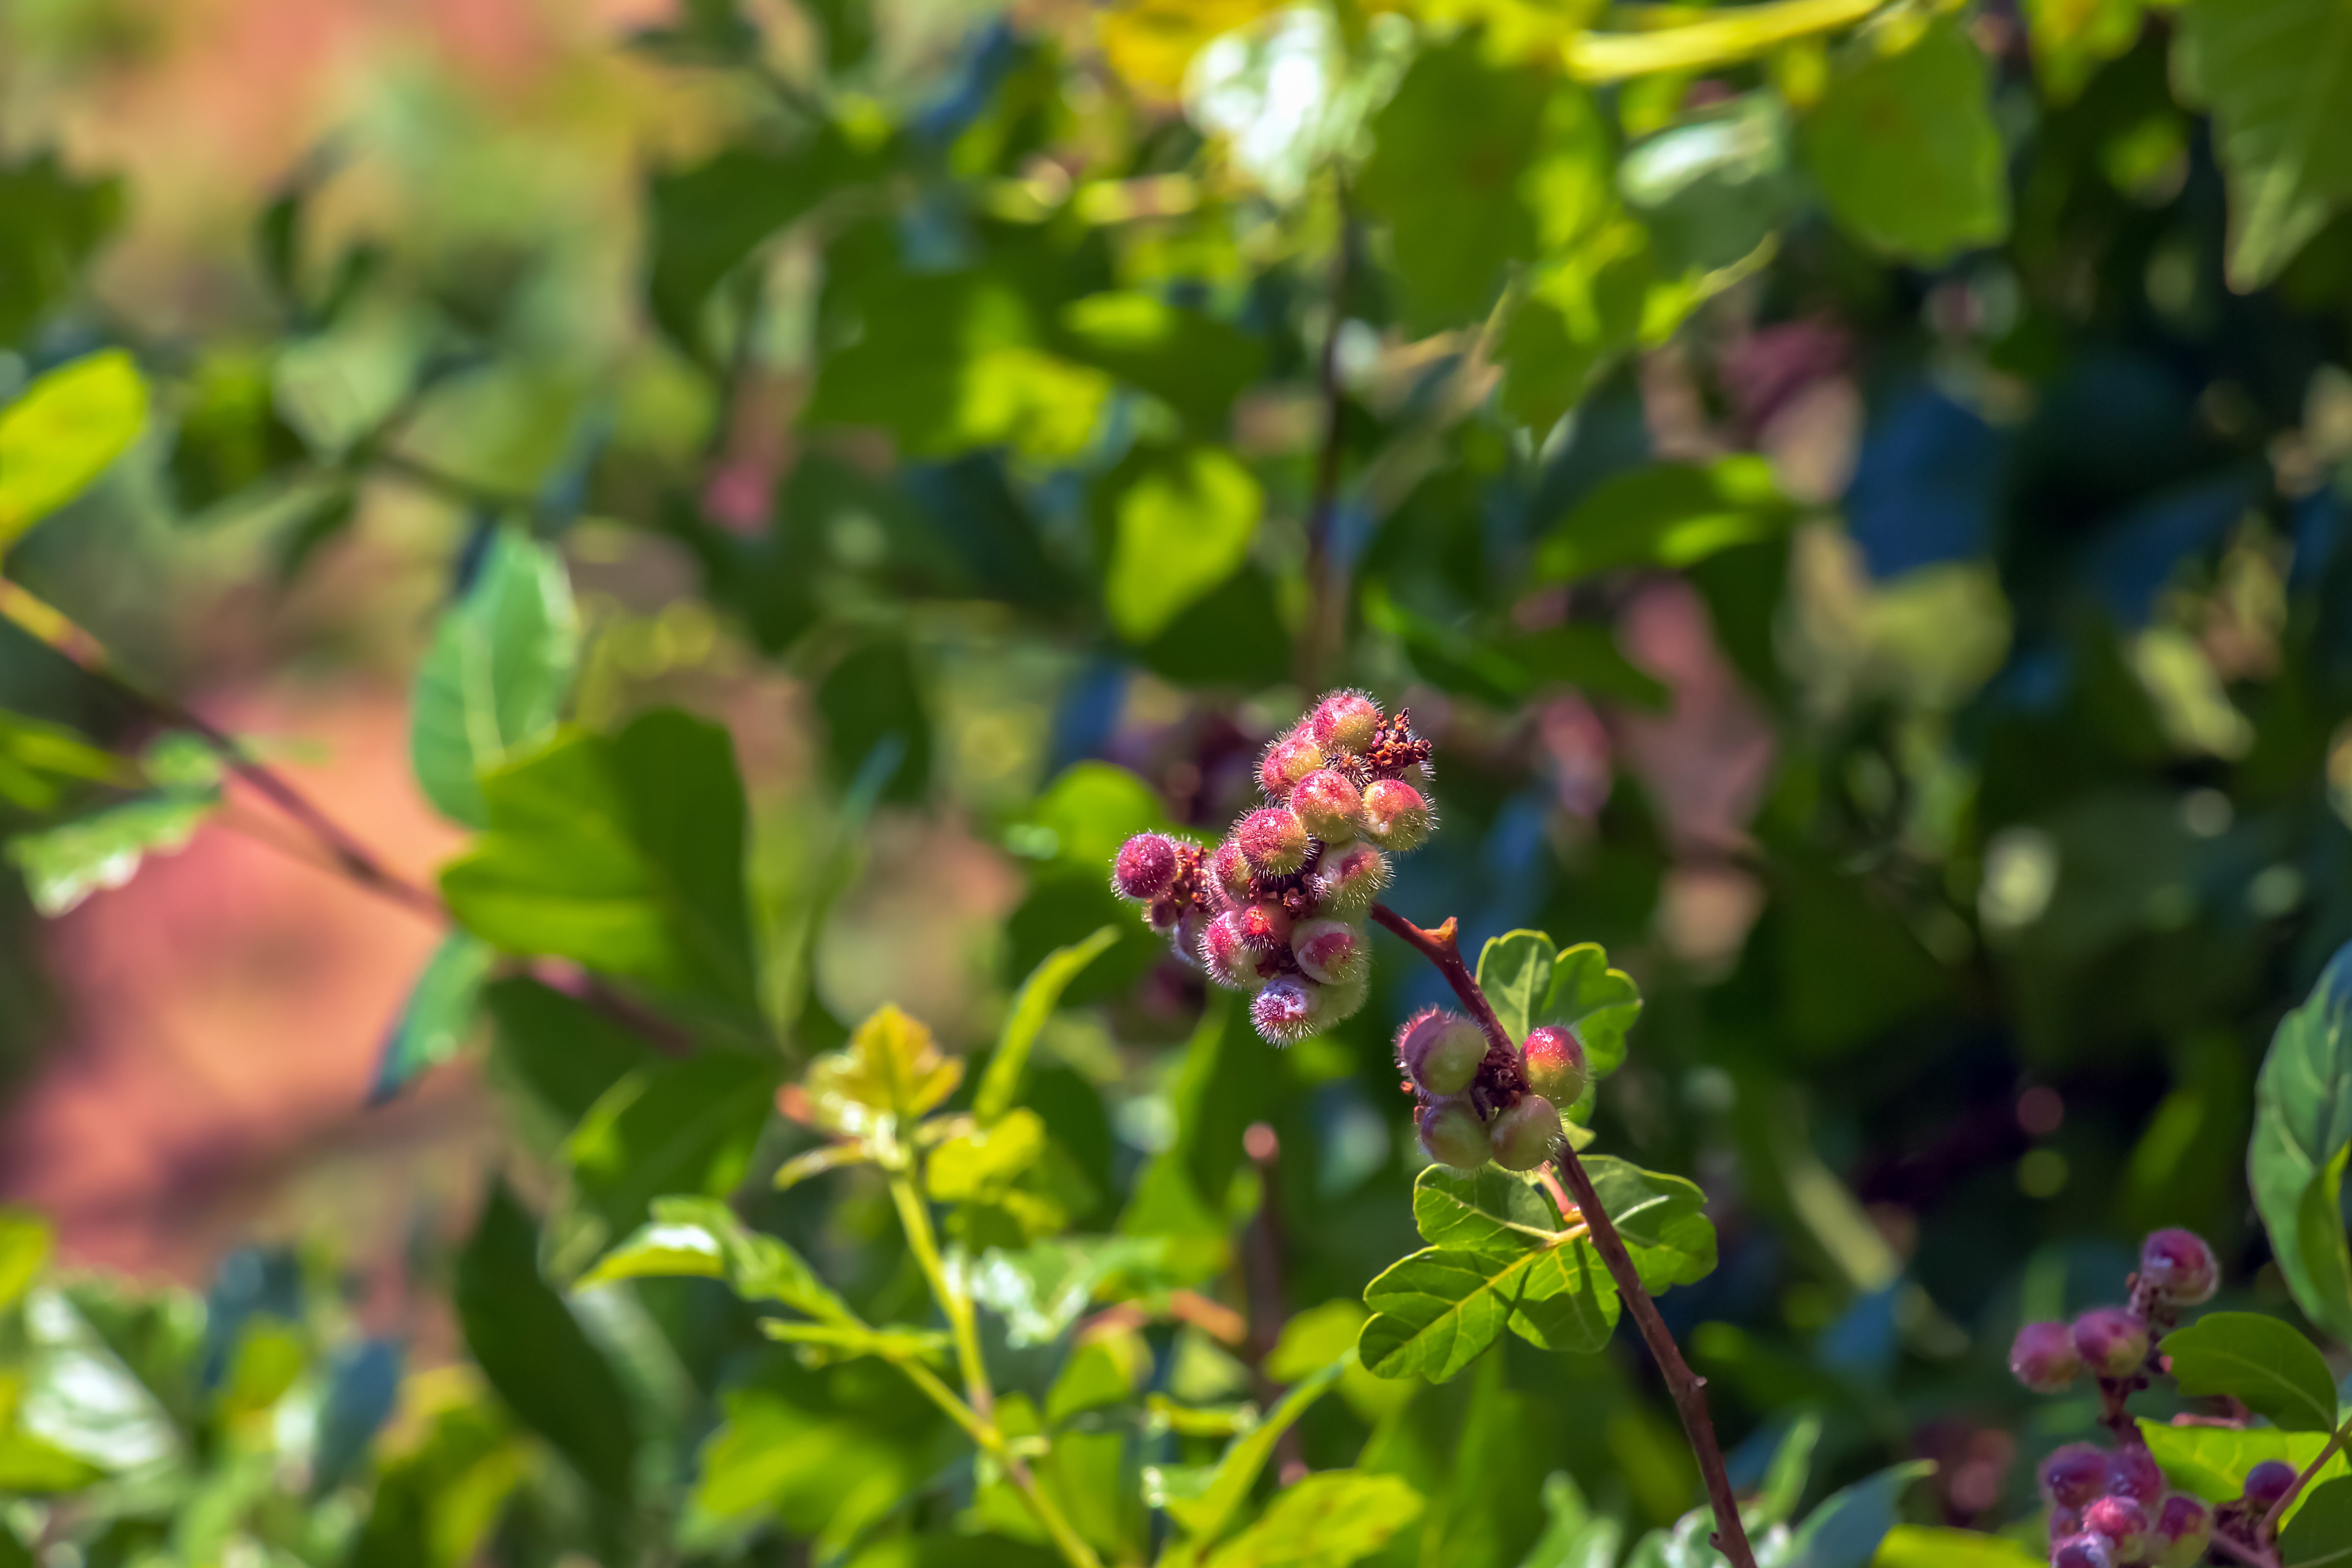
(1480, 1101)
(2111, 1509)
(1277, 910)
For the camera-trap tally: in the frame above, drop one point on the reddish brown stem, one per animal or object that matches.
(1442, 948)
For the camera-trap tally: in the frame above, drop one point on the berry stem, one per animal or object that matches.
(1443, 948)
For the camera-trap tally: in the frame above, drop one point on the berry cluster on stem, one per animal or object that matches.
(2111, 1508)
(1277, 910)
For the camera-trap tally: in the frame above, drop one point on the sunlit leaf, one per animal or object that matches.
(703, 1238)
(433, 1021)
(62, 432)
(1330, 1519)
(25, 1244)
(1206, 1515)
(1437, 1311)
(2303, 1123)
(66, 864)
(38, 760)
(2069, 39)
(892, 1068)
(1180, 522)
(1662, 1220)
(1927, 1546)
(1673, 514)
(2273, 70)
(496, 674)
(1515, 971)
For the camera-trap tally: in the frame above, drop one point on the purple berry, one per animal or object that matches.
(1288, 1010)
(1145, 867)
(1396, 815)
(2113, 1341)
(2083, 1552)
(1526, 1134)
(2065, 1523)
(1554, 1063)
(2184, 1527)
(2267, 1482)
(1287, 760)
(1190, 927)
(1452, 1135)
(1273, 840)
(1345, 722)
(2044, 1358)
(1330, 805)
(2121, 1523)
(2074, 1474)
(2178, 1267)
(1332, 952)
(1441, 1051)
(2134, 1473)
(1347, 877)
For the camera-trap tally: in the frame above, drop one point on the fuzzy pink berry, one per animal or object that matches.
(2121, 1523)
(1440, 1050)
(2113, 1341)
(2043, 1357)
(1396, 815)
(2074, 1474)
(1273, 840)
(1345, 722)
(2180, 1267)
(1145, 866)
(1287, 760)
(2134, 1473)
(1329, 805)
(1452, 1134)
(2184, 1529)
(1227, 957)
(1332, 952)
(1287, 1011)
(1347, 877)
(1263, 926)
(1553, 1060)
(1525, 1135)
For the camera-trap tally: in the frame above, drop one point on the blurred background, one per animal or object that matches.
(1969, 813)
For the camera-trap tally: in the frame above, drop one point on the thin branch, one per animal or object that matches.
(2237, 1551)
(1442, 948)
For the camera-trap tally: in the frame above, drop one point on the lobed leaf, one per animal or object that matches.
(1435, 1311)
(1330, 1519)
(1515, 971)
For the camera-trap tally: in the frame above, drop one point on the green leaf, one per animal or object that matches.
(2213, 1461)
(2274, 72)
(851, 1340)
(891, 1073)
(624, 853)
(1598, 1003)
(1488, 1210)
(1662, 1220)
(2320, 1533)
(1182, 522)
(672, 1127)
(1573, 1537)
(496, 674)
(1926, 1546)
(2259, 1361)
(978, 1166)
(1584, 655)
(1000, 1086)
(1846, 1530)
(1195, 363)
(62, 432)
(1902, 146)
(24, 1244)
(699, 1238)
(1786, 1476)
(2303, 1123)
(66, 864)
(38, 760)
(433, 1021)
(1577, 314)
(1435, 1311)
(50, 222)
(1328, 1519)
(1205, 1517)
(535, 1352)
(1670, 514)
(1515, 971)
(1086, 814)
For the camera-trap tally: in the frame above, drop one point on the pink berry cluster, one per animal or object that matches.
(1480, 1101)
(2112, 1510)
(1277, 910)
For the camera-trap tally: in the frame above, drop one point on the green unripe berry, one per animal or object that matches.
(1452, 1135)
(1441, 1051)
(1554, 1064)
(1525, 1135)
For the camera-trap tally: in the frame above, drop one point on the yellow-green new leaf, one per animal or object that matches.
(891, 1068)
(702, 1238)
(66, 430)
(1328, 1521)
